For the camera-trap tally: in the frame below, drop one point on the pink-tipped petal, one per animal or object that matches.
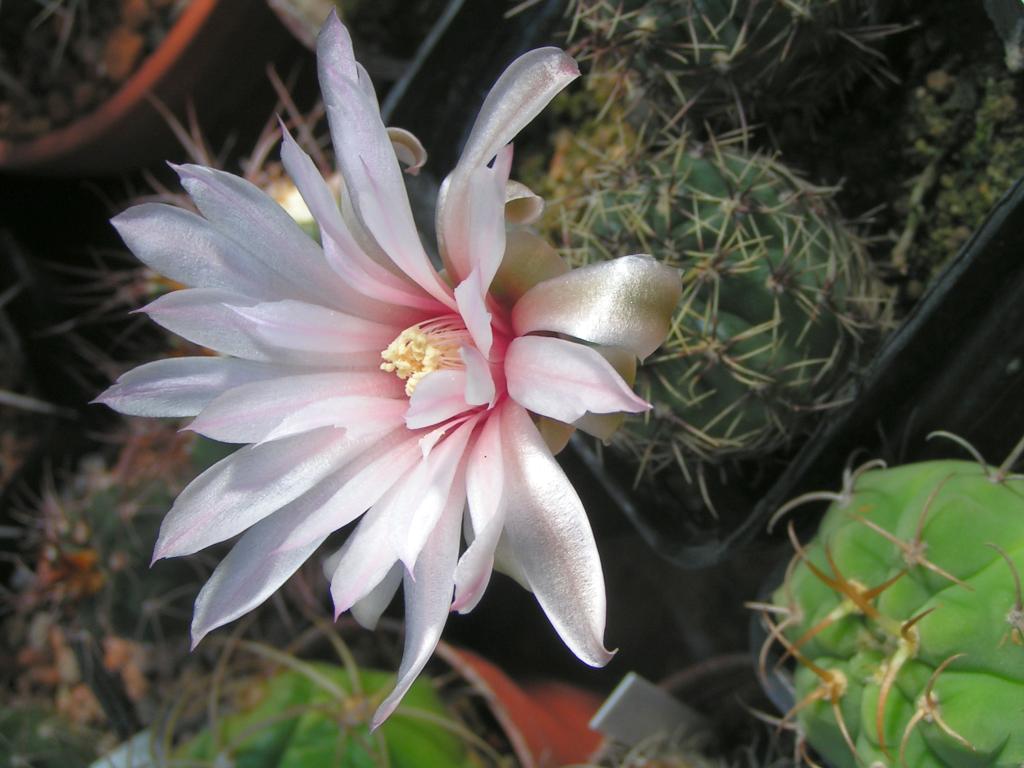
(252, 412)
(248, 485)
(480, 388)
(251, 572)
(183, 386)
(428, 598)
(548, 532)
(564, 380)
(627, 302)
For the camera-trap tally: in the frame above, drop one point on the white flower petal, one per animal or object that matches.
(360, 416)
(408, 149)
(470, 296)
(368, 610)
(248, 485)
(522, 204)
(251, 572)
(564, 380)
(183, 386)
(548, 532)
(188, 249)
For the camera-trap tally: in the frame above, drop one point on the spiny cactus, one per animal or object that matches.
(906, 620)
(710, 55)
(777, 294)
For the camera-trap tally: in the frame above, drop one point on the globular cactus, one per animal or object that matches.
(777, 294)
(905, 618)
(318, 714)
(714, 55)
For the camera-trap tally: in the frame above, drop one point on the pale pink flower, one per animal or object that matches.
(368, 388)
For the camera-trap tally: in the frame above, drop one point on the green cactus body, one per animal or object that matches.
(772, 55)
(776, 295)
(907, 622)
(296, 719)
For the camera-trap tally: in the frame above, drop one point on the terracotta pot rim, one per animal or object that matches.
(86, 129)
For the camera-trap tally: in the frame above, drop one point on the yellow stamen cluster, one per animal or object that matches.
(417, 352)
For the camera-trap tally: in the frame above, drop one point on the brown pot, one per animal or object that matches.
(546, 722)
(210, 56)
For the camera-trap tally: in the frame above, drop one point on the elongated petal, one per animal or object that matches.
(428, 599)
(251, 572)
(297, 325)
(438, 397)
(183, 386)
(604, 425)
(480, 388)
(358, 486)
(564, 380)
(627, 302)
(248, 215)
(522, 91)
(367, 160)
(341, 249)
(204, 316)
(475, 239)
(248, 485)
(470, 298)
(368, 610)
(548, 532)
(485, 480)
(188, 249)
(424, 492)
(359, 415)
(251, 412)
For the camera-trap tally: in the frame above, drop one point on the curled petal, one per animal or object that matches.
(183, 386)
(408, 150)
(522, 205)
(627, 302)
(563, 380)
(550, 537)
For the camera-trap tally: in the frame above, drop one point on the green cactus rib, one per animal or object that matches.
(777, 294)
(910, 593)
(734, 55)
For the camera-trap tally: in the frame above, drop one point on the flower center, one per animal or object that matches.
(424, 348)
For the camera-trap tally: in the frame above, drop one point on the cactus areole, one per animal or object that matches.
(904, 617)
